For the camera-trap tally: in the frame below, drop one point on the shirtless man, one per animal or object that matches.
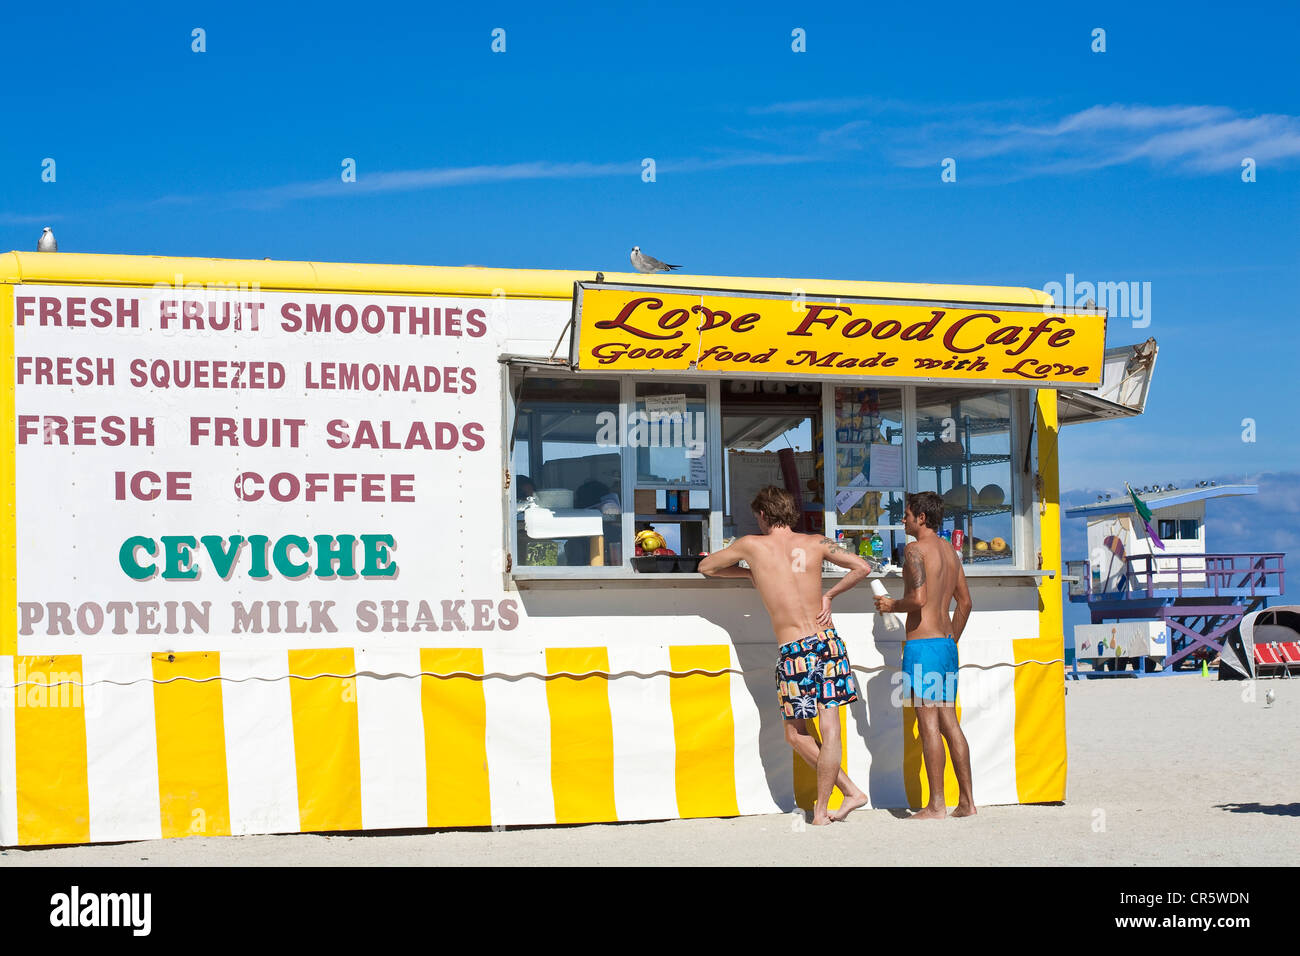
(932, 578)
(813, 676)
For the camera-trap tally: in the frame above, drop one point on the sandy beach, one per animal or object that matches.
(1163, 771)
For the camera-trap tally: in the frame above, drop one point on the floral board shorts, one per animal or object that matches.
(814, 671)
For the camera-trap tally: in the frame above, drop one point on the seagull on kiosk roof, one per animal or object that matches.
(643, 263)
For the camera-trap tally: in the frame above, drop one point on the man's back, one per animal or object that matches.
(787, 571)
(930, 564)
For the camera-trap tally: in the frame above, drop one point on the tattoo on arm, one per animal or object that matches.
(833, 547)
(913, 569)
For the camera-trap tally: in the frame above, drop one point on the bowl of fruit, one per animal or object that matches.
(653, 556)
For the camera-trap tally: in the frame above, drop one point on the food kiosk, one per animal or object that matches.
(309, 547)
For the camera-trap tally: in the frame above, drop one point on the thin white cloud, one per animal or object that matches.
(731, 162)
(800, 107)
(1189, 139)
(17, 219)
(443, 177)
(873, 104)
(415, 180)
(844, 136)
(1118, 116)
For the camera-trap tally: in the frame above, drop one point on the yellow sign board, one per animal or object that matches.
(628, 328)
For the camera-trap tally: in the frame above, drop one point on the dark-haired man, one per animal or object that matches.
(932, 578)
(813, 675)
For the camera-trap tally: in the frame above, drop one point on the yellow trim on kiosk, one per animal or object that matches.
(93, 269)
(1039, 685)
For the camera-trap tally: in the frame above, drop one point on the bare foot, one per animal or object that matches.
(964, 810)
(821, 818)
(930, 813)
(848, 806)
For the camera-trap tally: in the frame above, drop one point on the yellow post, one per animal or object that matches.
(1040, 660)
(1048, 502)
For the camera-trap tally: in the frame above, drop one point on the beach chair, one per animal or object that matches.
(1267, 658)
(1290, 654)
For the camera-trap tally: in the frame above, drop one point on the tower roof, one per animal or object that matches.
(1122, 503)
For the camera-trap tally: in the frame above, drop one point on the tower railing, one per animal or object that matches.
(1222, 574)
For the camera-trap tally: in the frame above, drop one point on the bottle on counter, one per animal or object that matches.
(877, 546)
(891, 620)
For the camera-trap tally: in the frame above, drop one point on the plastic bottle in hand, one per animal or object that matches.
(891, 620)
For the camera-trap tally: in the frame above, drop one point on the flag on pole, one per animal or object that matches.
(1145, 514)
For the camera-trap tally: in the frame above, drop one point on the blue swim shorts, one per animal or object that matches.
(930, 670)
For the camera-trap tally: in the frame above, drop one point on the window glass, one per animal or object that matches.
(964, 454)
(567, 472)
(771, 435)
(1189, 529)
(870, 483)
(1167, 529)
(669, 433)
(668, 430)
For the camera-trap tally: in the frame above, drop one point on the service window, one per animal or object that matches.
(568, 471)
(670, 433)
(771, 435)
(669, 436)
(963, 452)
(870, 477)
(609, 468)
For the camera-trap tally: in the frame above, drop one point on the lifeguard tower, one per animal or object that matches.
(1162, 610)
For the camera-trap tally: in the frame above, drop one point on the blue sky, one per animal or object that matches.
(1122, 166)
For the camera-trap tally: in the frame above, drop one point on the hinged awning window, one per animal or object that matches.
(1126, 380)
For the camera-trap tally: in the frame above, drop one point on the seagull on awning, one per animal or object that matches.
(47, 242)
(643, 263)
